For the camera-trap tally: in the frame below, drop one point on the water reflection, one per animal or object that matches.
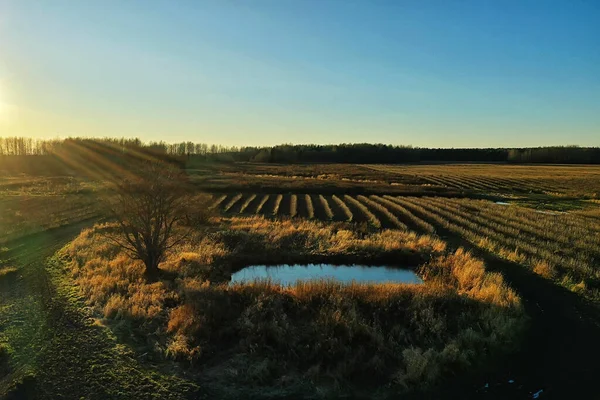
(289, 274)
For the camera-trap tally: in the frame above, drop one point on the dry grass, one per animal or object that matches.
(404, 213)
(25, 214)
(382, 209)
(262, 203)
(232, 202)
(293, 205)
(4, 270)
(326, 207)
(373, 220)
(343, 207)
(247, 203)
(544, 269)
(572, 180)
(310, 209)
(218, 201)
(278, 200)
(396, 336)
(563, 247)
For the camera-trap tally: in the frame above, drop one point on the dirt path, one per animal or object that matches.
(57, 351)
(560, 355)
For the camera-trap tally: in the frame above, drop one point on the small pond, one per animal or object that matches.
(289, 274)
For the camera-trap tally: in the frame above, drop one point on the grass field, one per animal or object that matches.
(31, 204)
(560, 180)
(492, 180)
(533, 228)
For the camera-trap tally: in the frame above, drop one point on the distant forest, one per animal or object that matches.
(189, 153)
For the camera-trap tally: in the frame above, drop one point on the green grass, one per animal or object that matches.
(548, 203)
(33, 204)
(51, 346)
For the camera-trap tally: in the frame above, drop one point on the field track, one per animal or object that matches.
(57, 349)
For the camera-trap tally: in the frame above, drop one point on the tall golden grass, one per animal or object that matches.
(396, 336)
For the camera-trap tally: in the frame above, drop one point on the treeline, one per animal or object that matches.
(103, 158)
(388, 154)
(22, 146)
(190, 152)
(373, 153)
(558, 155)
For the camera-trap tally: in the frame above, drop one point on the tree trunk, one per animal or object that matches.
(151, 263)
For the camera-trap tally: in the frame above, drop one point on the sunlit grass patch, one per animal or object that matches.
(398, 336)
(7, 270)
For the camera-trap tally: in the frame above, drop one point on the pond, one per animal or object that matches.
(289, 274)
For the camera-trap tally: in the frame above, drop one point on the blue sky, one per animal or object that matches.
(426, 73)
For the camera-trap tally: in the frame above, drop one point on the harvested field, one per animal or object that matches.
(560, 246)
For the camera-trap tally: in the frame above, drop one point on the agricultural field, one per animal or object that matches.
(563, 246)
(537, 225)
(31, 204)
(522, 245)
(490, 180)
(563, 180)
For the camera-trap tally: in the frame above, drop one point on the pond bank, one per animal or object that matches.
(312, 338)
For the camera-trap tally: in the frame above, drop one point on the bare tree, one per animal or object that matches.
(154, 211)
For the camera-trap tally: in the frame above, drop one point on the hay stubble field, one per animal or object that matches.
(536, 227)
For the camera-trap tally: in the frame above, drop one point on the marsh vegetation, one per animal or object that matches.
(407, 337)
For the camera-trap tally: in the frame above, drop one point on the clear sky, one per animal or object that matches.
(480, 73)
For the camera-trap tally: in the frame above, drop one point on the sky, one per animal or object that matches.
(426, 73)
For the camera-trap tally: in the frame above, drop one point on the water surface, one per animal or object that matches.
(289, 274)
